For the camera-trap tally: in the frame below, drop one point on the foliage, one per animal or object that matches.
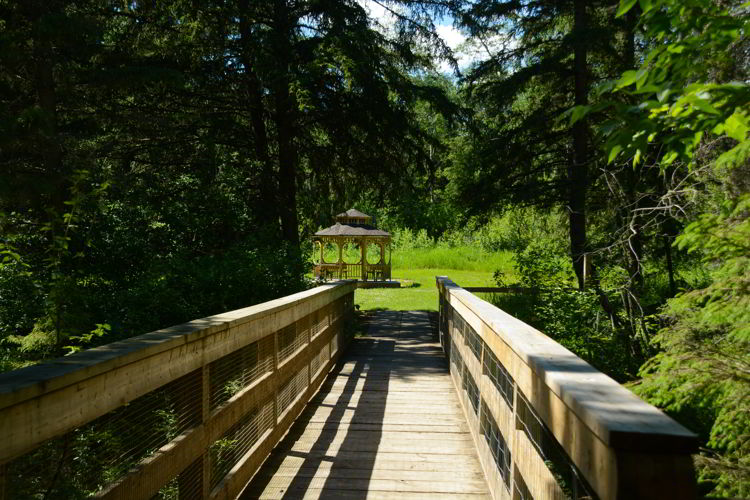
(685, 110)
(680, 93)
(162, 159)
(557, 308)
(703, 368)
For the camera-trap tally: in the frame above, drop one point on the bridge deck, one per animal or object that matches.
(386, 424)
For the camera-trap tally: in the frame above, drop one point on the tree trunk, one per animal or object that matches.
(268, 202)
(578, 168)
(284, 119)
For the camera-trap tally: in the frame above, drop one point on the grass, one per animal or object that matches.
(418, 290)
(417, 268)
(463, 258)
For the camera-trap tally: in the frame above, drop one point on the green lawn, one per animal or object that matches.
(418, 290)
(417, 268)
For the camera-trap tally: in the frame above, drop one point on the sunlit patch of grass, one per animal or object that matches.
(418, 289)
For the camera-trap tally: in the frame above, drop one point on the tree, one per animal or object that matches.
(686, 106)
(554, 51)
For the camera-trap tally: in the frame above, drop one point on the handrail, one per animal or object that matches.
(224, 388)
(549, 425)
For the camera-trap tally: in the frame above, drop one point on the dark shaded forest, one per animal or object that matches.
(164, 161)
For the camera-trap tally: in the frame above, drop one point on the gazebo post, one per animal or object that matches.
(362, 259)
(390, 258)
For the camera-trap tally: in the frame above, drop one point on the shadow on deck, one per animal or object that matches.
(385, 424)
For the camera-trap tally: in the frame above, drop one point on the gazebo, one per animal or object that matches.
(353, 227)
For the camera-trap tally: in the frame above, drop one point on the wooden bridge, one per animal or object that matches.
(279, 400)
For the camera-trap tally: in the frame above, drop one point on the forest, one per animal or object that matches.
(167, 160)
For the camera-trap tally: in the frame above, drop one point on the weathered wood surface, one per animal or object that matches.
(45, 401)
(386, 424)
(614, 438)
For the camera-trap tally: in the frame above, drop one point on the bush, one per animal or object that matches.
(571, 317)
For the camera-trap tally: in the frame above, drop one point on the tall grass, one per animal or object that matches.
(466, 258)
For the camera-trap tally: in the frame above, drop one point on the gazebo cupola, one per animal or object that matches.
(355, 217)
(353, 227)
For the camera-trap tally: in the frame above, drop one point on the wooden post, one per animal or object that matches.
(275, 371)
(205, 411)
(362, 259)
(4, 482)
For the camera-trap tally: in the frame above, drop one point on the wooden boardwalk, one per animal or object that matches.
(386, 424)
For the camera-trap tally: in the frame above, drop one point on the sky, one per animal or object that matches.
(450, 35)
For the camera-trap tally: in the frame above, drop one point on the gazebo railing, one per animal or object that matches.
(345, 270)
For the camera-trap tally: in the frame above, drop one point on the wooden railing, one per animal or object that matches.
(344, 270)
(190, 411)
(547, 425)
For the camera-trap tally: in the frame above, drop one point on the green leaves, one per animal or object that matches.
(625, 6)
(676, 102)
(736, 126)
(613, 152)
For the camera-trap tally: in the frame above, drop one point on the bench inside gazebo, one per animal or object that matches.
(355, 228)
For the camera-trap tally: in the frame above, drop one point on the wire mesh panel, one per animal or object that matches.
(84, 460)
(188, 485)
(557, 461)
(500, 377)
(227, 451)
(232, 373)
(335, 309)
(472, 391)
(520, 490)
(497, 444)
(458, 325)
(290, 339)
(320, 359)
(291, 389)
(457, 361)
(473, 340)
(319, 321)
(334, 344)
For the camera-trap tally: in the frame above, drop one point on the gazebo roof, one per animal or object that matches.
(353, 213)
(339, 229)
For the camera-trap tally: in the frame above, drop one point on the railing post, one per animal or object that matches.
(3, 481)
(205, 411)
(275, 371)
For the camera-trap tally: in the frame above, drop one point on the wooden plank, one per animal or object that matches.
(316, 494)
(598, 422)
(614, 414)
(362, 435)
(330, 470)
(178, 454)
(282, 483)
(438, 464)
(41, 402)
